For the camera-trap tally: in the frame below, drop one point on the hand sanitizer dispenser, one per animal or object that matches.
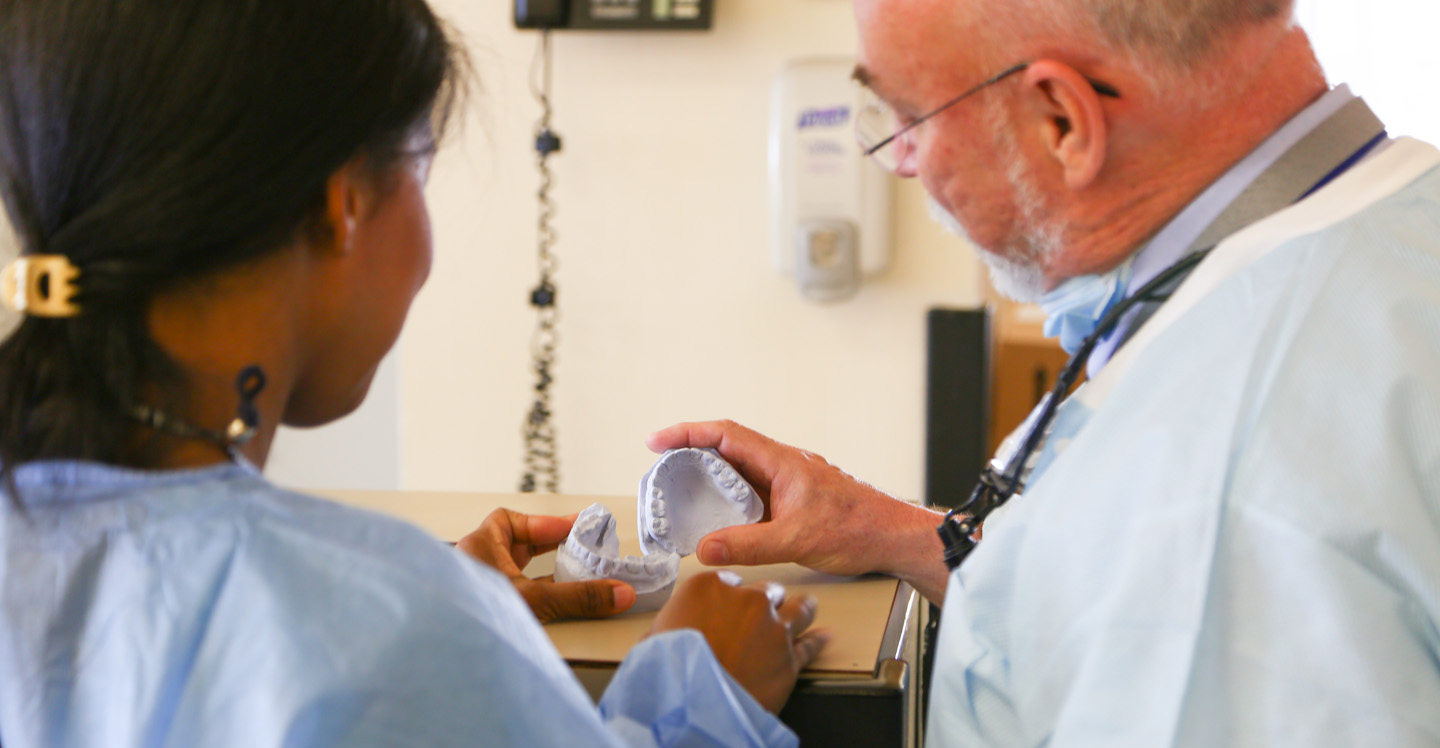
(830, 206)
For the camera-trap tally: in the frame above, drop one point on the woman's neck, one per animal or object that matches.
(213, 331)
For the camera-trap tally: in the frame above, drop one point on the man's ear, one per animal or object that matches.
(1073, 123)
(345, 203)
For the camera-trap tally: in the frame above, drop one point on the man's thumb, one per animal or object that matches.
(742, 545)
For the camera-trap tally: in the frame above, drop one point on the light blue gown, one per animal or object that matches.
(209, 608)
(1241, 545)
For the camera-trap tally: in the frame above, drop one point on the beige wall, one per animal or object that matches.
(671, 307)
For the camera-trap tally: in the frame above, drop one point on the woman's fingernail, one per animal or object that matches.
(624, 596)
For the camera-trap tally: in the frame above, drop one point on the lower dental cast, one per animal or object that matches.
(688, 494)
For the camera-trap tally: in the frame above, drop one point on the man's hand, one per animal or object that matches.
(763, 646)
(507, 540)
(818, 515)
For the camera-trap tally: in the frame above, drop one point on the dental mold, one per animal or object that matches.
(686, 495)
(593, 552)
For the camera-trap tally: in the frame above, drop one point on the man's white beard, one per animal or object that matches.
(1017, 269)
(1021, 280)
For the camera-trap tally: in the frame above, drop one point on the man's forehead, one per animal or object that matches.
(899, 37)
(926, 28)
(919, 15)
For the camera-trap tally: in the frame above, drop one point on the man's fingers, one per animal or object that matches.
(553, 601)
(798, 612)
(701, 434)
(744, 545)
(808, 646)
(753, 454)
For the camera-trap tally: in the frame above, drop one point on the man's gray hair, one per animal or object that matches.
(1167, 40)
(1179, 33)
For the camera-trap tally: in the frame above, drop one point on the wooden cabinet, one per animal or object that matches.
(1025, 364)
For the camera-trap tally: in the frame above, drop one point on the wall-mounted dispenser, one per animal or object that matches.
(830, 206)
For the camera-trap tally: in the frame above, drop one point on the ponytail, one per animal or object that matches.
(155, 142)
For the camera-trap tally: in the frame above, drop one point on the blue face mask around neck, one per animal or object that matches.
(1074, 308)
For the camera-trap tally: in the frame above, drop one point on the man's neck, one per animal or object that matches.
(1169, 152)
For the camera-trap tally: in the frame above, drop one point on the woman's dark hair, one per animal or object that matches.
(157, 141)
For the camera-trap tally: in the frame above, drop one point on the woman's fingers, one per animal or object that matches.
(554, 601)
(808, 647)
(507, 540)
(540, 531)
(797, 613)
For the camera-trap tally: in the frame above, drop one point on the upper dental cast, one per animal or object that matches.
(686, 495)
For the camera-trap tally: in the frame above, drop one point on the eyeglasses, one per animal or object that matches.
(881, 131)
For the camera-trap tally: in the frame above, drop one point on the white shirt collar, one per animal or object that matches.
(1170, 244)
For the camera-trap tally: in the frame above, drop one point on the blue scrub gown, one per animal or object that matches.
(1240, 546)
(210, 608)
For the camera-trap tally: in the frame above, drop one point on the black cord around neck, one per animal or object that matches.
(248, 385)
(957, 531)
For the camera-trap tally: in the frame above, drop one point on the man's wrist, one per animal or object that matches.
(916, 555)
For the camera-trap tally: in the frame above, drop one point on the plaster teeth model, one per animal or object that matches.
(688, 494)
(593, 552)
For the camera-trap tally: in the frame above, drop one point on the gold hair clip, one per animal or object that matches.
(40, 286)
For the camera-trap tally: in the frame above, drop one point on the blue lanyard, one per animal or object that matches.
(1345, 165)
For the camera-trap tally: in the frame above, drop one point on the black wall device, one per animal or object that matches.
(541, 14)
(617, 15)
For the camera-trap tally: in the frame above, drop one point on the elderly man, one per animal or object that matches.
(1231, 534)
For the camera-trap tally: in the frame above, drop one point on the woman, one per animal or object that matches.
(221, 213)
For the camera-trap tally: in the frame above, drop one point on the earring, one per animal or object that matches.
(249, 385)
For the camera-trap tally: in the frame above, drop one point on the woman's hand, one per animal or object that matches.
(507, 540)
(758, 635)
